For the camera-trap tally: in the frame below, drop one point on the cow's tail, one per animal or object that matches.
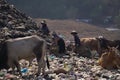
(47, 61)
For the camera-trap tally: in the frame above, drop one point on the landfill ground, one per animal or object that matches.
(67, 67)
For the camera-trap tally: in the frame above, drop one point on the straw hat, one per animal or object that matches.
(43, 22)
(100, 37)
(73, 32)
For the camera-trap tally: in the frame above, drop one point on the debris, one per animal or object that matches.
(15, 24)
(24, 70)
(60, 70)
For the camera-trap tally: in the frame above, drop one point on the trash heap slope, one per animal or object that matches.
(14, 22)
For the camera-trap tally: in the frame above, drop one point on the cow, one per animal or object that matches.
(104, 43)
(89, 47)
(28, 48)
(92, 43)
(96, 45)
(110, 59)
(81, 50)
(116, 43)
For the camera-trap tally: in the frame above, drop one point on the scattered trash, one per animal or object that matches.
(67, 66)
(60, 70)
(10, 76)
(24, 70)
(1, 74)
(16, 24)
(52, 57)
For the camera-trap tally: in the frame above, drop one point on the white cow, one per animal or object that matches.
(23, 48)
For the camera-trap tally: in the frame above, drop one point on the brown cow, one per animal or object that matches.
(79, 50)
(110, 59)
(88, 46)
(91, 43)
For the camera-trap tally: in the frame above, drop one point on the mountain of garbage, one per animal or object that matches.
(14, 23)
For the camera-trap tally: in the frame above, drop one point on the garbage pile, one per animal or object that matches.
(14, 23)
(65, 68)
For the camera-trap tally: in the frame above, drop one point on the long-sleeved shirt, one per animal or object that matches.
(61, 45)
(77, 40)
(45, 29)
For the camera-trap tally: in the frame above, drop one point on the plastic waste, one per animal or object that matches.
(67, 66)
(24, 70)
(52, 57)
(40, 78)
(10, 76)
(1, 74)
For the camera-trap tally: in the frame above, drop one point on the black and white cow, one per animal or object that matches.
(30, 47)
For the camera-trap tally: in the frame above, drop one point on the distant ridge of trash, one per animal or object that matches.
(14, 22)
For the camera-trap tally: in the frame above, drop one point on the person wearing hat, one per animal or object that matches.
(76, 38)
(44, 29)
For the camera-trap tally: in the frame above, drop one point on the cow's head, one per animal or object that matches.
(114, 50)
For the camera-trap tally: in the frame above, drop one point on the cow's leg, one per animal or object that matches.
(30, 62)
(39, 60)
(39, 51)
(13, 62)
(43, 66)
(12, 65)
(18, 66)
(13, 68)
(39, 66)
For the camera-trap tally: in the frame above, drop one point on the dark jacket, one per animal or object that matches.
(45, 29)
(77, 40)
(61, 45)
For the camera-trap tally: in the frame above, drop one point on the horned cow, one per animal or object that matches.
(110, 59)
(27, 48)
